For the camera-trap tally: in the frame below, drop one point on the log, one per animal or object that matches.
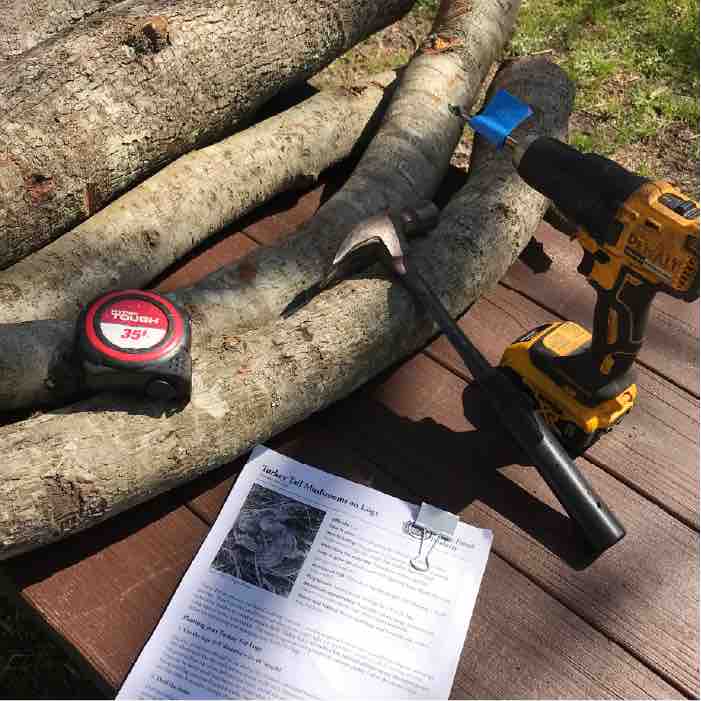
(36, 366)
(405, 160)
(87, 115)
(75, 467)
(26, 23)
(140, 234)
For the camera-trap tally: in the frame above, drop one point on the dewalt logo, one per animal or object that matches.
(653, 256)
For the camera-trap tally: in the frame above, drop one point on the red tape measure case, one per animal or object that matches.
(135, 341)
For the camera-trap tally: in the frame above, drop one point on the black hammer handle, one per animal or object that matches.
(598, 524)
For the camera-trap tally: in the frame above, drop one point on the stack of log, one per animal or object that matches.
(128, 136)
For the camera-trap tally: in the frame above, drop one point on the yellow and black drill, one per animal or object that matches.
(639, 237)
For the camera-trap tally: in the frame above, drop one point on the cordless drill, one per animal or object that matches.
(639, 237)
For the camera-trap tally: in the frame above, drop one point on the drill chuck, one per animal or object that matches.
(588, 188)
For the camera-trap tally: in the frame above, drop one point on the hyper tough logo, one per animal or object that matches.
(126, 315)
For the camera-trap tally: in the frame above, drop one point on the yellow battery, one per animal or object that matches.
(559, 402)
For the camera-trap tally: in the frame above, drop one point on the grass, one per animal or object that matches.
(636, 65)
(635, 62)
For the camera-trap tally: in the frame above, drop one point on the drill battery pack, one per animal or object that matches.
(537, 360)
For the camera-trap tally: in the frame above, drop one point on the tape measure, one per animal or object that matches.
(135, 341)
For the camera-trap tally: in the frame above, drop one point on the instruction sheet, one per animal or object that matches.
(304, 588)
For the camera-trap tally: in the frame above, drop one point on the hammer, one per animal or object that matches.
(384, 237)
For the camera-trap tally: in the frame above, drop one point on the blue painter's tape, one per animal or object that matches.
(500, 116)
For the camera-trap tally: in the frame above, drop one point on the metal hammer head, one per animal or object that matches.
(385, 235)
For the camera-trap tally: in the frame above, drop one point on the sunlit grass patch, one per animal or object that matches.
(635, 62)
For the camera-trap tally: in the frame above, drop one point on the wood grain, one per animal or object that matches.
(522, 643)
(672, 343)
(655, 449)
(643, 593)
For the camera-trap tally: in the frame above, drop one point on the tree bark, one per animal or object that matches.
(405, 160)
(26, 23)
(140, 234)
(65, 471)
(87, 115)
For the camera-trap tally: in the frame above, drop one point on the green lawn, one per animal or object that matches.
(635, 62)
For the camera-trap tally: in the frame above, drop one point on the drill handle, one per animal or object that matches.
(588, 188)
(620, 320)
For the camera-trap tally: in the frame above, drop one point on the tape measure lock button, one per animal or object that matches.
(135, 341)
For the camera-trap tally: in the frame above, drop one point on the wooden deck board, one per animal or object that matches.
(290, 211)
(522, 643)
(540, 628)
(655, 449)
(225, 252)
(643, 593)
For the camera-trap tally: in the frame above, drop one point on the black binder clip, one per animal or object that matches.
(433, 523)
